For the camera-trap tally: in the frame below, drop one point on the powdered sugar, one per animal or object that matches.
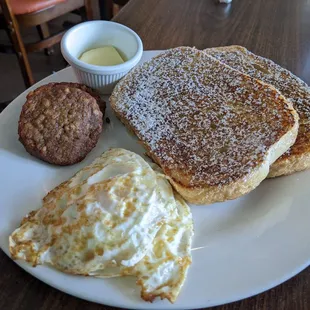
(200, 118)
(292, 87)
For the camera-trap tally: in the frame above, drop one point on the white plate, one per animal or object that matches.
(241, 247)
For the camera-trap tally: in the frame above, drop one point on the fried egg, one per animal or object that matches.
(118, 216)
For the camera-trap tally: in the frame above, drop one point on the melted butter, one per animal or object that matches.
(102, 56)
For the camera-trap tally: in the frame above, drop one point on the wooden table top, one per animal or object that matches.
(278, 29)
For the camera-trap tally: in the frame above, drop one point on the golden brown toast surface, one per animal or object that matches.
(297, 91)
(204, 123)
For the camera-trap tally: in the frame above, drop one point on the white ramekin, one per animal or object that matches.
(93, 34)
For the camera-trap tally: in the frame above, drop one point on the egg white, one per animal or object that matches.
(116, 217)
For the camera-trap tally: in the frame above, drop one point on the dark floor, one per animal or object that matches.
(11, 81)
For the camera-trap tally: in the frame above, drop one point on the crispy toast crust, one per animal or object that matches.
(213, 130)
(297, 158)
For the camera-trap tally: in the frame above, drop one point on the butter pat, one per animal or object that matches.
(102, 56)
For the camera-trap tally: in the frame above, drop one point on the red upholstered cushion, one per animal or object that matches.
(29, 6)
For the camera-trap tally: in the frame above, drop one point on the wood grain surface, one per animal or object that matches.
(278, 29)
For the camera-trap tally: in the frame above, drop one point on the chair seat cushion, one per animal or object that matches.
(31, 6)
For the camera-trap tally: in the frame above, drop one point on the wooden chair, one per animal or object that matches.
(109, 8)
(36, 13)
(118, 5)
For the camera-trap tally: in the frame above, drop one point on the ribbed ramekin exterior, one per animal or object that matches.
(103, 83)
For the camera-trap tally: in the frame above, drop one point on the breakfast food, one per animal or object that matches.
(60, 123)
(102, 56)
(212, 129)
(101, 103)
(116, 217)
(297, 158)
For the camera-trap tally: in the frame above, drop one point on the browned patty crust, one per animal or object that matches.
(101, 103)
(60, 123)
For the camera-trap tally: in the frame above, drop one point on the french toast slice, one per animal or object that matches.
(297, 158)
(213, 130)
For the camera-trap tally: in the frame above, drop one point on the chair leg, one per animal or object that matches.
(89, 9)
(116, 9)
(22, 59)
(44, 34)
(106, 9)
(16, 39)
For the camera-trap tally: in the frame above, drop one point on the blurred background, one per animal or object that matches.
(30, 32)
